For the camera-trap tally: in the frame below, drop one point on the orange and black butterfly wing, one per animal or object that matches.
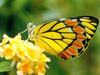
(77, 45)
(84, 27)
(90, 23)
(66, 37)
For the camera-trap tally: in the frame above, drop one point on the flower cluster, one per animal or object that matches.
(29, 58)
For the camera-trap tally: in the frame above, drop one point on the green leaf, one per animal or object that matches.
(6, 66)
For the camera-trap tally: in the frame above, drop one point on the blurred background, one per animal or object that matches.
(16, 14)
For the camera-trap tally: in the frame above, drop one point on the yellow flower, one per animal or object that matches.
(5, 40)
(44, 58)
(9, 52)
(40, 68)
(29, 58)
(25, 67)
(1, 52)
(33, 52)
(20, 51)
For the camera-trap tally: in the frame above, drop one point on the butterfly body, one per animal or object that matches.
(65, 37)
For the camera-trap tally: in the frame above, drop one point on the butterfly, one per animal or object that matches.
(65, 37)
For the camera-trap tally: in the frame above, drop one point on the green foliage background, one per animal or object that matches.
(15, 14)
